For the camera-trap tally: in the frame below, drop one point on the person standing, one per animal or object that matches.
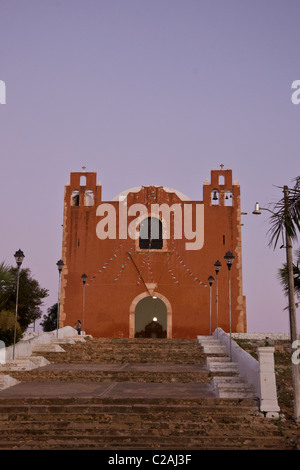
(77, 326)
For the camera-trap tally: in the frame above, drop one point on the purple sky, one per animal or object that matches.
(148, 92)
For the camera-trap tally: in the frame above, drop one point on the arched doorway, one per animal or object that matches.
(144, 308)
(151, 318)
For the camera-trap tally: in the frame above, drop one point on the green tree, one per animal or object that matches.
(50, 320)
(6, 279)
(7, 325)
(31, 296)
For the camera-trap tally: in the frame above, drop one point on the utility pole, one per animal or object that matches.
(292, 307)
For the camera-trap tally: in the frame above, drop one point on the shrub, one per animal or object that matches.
(7, 325)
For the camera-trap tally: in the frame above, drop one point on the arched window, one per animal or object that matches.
(82, 180)
(89, 198)
(215, 197)
(75, 198)
(151, 234)
(221, 179)
(228, 198)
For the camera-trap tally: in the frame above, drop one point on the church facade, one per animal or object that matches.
(138, 266)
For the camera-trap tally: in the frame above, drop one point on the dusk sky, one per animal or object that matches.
(148, 92)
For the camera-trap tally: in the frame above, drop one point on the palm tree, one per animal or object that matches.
(5, 274)
(285, 218)
(6, 278)
(283, 275)
(285, 222)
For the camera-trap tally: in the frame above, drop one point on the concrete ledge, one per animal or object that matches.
(24, 363)
(39, 361)
(63, 341)
(7, 381)
(18, 364)
(25, 347)
(48, 347)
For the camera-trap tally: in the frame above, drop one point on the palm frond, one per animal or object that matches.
(285, 216)
(283, 275)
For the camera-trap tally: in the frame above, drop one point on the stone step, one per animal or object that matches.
(144, 410)
(229, 393)
(141, 441)
(186, 419)
(208, 340)
(125, 358)
(47, 347)
(113, 376)
(98, 403)
(230, 380)
(225, 367)
(212, 346)
(63, 341)
(218, 359)
(230, 421)
(238, 387)
(211, 349)
(144, 343)
(232, 387)
(111, 429)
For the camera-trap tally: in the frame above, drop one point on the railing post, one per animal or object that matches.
(267, 382)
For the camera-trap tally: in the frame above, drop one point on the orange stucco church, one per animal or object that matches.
(147, 256)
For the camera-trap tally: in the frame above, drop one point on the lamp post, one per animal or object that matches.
(210, 280)
(60, 264)
(84, 278)
(291, 297)
(217, 269)
(19, 256)
(229, 260)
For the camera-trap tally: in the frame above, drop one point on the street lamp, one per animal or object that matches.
(19, 256)
(84, 278)
(60, 264)
(291, 295)
(229, 260)
(210, 280)
(217, 269)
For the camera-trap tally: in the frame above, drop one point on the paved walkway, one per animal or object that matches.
(127, 367)
(108, 390)
(112, 389)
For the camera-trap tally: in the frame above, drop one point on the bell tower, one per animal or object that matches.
(222, 201)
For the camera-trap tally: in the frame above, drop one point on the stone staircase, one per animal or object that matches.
(227, 382)
(131, 394)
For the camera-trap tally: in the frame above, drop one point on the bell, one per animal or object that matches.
(215, 197)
